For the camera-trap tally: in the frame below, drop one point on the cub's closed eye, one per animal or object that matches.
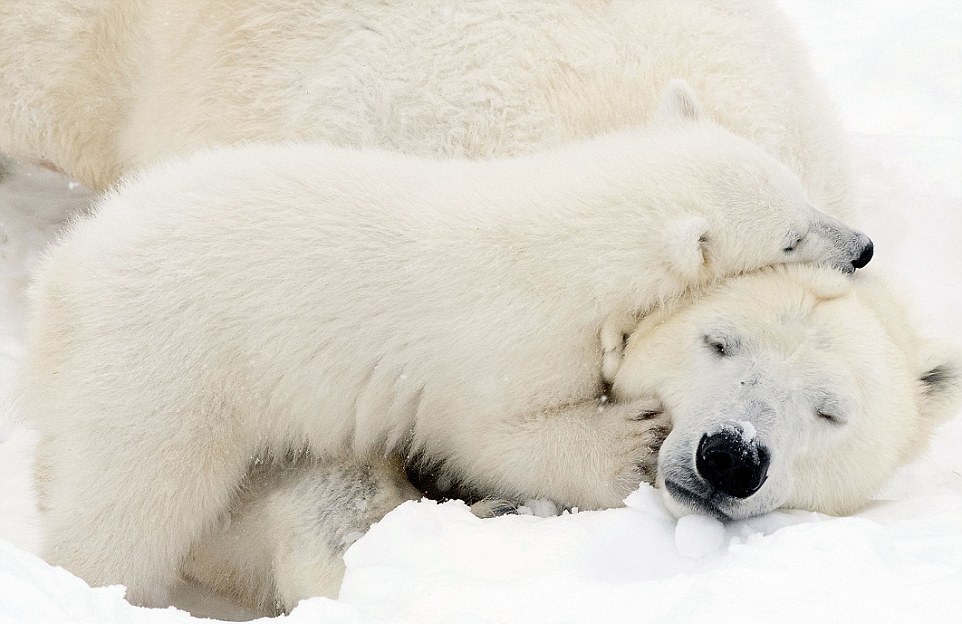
(791, 247)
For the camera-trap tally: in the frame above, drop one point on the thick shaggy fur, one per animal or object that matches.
(98, 87)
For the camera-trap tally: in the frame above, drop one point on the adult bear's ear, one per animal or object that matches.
(940, 381)
(939, 389)
(678, 103)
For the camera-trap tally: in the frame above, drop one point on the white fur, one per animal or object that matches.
(114, 85)
(117, 85)
(458, 317)
(18, 517)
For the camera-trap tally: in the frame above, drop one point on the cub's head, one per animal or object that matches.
(792, 387)
(751, 211)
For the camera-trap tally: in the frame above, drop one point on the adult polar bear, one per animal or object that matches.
(98, 87)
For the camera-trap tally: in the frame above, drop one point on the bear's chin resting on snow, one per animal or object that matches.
(333, 300)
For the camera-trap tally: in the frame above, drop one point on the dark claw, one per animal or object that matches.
(649, 414)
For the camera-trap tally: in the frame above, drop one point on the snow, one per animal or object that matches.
(697, 536)
(742, 428)
(895, 70)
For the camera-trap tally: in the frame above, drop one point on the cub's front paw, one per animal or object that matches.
(614, 336)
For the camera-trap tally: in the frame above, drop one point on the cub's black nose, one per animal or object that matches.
(731, 464)
(864, 257)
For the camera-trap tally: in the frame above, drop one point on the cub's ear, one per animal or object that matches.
(940, 382)
(678, 103)
(687, 240)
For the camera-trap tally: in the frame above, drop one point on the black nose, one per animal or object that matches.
(731, 464)
(864, 257)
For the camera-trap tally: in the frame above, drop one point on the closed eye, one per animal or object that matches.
(831, 417)
(832, 408)
(793, 245)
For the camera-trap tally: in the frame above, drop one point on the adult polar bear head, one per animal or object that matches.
(795, 387)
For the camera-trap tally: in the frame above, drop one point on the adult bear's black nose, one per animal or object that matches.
(865, 256)
(732, 464)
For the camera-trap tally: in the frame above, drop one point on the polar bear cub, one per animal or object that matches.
(253, 301)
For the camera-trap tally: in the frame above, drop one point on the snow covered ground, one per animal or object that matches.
(895, 70)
